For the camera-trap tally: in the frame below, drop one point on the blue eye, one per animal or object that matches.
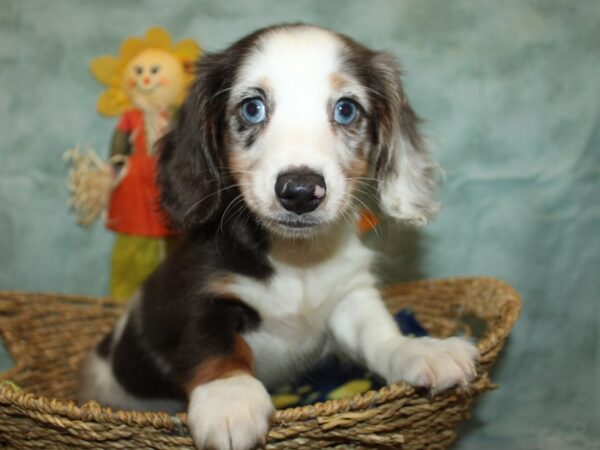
(345, 112)
(254, 111)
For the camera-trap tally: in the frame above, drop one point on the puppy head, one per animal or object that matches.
(294, 118)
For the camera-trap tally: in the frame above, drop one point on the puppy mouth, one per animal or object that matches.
(297, 224)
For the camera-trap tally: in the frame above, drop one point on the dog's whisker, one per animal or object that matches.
(368, 218)
(368, 195)
(197, 203)
(369, 89)
(377, 180)
(218, 93)
(243, 218)
(224, 171)
(366, 189)
(238, 199)
(362, 178)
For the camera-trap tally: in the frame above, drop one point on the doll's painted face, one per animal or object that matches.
(154, 79)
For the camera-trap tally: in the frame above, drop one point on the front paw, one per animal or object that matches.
(433, 363)
(230, 414)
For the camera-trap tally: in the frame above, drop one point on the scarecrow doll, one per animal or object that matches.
(146, 83)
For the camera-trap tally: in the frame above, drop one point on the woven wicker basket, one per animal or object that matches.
(47, 335)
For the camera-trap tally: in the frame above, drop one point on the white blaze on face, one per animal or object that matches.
(294, 67)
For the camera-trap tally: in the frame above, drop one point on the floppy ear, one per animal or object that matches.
(191, 160)
(407, 176)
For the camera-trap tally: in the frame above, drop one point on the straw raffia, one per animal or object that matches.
(47, 334)
(91, 181)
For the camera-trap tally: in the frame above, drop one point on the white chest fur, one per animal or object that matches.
(295, 303)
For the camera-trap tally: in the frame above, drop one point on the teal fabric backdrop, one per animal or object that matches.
(511, 96)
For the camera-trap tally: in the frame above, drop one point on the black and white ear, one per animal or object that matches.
(407, 176)
(190, 164)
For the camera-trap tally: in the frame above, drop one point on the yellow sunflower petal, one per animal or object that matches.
(113, 102)
(187, 50)
(158, 37)
(104, 68)
(130, 47)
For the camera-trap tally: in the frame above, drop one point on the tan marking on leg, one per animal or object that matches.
(220, 285)
(239, 361)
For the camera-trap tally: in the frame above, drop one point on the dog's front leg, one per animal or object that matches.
(363, 328)
(229, 409)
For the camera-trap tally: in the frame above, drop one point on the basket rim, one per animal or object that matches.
(509, 310)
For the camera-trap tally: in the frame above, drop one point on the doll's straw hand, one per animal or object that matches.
(90, 182)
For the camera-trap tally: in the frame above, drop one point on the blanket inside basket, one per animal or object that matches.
(333, 378)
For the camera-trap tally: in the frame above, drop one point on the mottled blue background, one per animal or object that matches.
(511, 94)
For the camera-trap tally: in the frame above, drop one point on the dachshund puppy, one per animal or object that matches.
(261, 171)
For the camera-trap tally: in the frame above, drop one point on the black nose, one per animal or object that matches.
(300, 190)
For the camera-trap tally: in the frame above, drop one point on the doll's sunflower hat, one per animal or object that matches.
(109, 69)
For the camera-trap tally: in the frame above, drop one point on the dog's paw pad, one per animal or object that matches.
(230, 413)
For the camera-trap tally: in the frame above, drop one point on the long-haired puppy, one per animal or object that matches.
(260, 170)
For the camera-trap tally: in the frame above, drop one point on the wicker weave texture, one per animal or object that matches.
(48, 334)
